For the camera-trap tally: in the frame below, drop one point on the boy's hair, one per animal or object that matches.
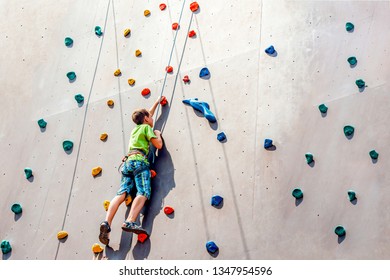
(139, 115)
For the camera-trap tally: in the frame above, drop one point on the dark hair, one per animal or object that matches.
(139, 115)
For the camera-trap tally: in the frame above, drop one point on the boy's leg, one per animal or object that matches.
(114, 205)
(136, 208)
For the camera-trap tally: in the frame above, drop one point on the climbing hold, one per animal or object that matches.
(194, 6)
(152, 173)
(131, 82)
(96, 248)
(162, 6)
(16, 208)
(126, 32)
(309, 158)
(192, 33)
(96, 171)
(169, 69)
(340, 231)
(106, 204)
(348, 130)
(204, 72)
(71, 76)
(211, 247)
(360, 83)
(42, 123)
(163, 101)
(297, 193)
(117, 72)
(28, 172)
(186, 79)
(110, 102)
(323, 109)
(270, 50)
(351, 195)
(352, 60)
(5, 247)
(62, 234)
(67, 145)
(103, 136)
(268, 143)
(221, 136)
(145, 91)
(128, 200)
(68, 41)
(203, 107)
(175, 26)
(349, 26)
(216, 200)
(138, 53)
(79, 98)
(146, 13)
(168, 210)
(98, 31)
(142, 237)
(374, 154)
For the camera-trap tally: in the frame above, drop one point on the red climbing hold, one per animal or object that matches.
(145, 91)
(186, 79)
(192, 33)
(163, 101)
(152, 172)
(194, 6)
(169, 69)
(175, 26)
(168, 210)
(142, 237)
(162, 6)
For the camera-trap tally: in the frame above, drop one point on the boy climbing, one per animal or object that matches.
(135, 173)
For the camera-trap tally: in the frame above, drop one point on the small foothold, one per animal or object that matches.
(162, 6)
(309, 158)
(352, 60)
(71, 76)
(192, 33)
(204, 72)
(168, 210)
(28, 172)
(349, 26)
(323, 109)
(96, 171)
(270, 50)
(42, 123)
(126, 32)
(163, 101)
(117, 72)
(106, 204)
(16, 208)
(360, 83)
(351, 195)
(348, 130)
(138, 53)
(146, 13)
(194, 6)
(142, 237)
(374, 154)
(297, 193)
(128, 200)
(68, 41)
(98, 31)
(202, 107)
(103, 136)
(152, 173)
(169, 69)
(110, 102)
(340, 231)
(67, 145)
(216, 200)
(186, 79)
(268, 143)
(62, 235)
(79, 98)
(5, 247)
(96, 248)
(221, 136)
(131, 82)
(145, 91)
(175, 26)
(211, 247)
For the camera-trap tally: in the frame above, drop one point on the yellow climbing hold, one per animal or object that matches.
(146, 13)
(62, 235)
(128, 200)
(96, 171)
(117, 72)
(126, 32)
(106, 204)
(103, 136)
(96, 248)
(110, 102)
(138, 53)
(131, 81)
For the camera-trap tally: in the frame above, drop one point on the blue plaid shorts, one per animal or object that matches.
(141, 180)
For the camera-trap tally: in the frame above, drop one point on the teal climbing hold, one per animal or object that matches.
(71, 76)
(211, 247)
(67, 145)
(28, 172)
(352, 60)
(323, 109)
(340, 231)
(349, 130)
(42, 123)
(349, 26)
(297, 193)
(360, 83)
(79, 98)
(98, 31)
(374, 154)
(216, 200)
(202, 107)
(351, 195)
(68, 41)
(309, 158)
(5, 247)
(16, 208)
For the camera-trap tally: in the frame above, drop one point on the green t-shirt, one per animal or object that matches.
(140, 138)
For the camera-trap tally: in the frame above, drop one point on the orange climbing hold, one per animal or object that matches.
(168, 210)
(117, 72)
(162, 6)
(131, 81)
(106, 204)
(152, 173)
(138, 53)
(110, 102)
(96, 171)
(186, 79)
(163, 101)
(142, 237)
(175, 26)
(145, 91)
(194, 6)
(146, 13)
(192, 33)
(128, 200)
(62, 235)
(103, 136)
(96, 248)
(126, 32)
(169, 69)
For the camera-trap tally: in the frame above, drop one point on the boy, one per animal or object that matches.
(135, 173)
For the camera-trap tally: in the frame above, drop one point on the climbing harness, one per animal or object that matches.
(131, 153)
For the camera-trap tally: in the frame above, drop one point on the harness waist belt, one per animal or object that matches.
(135, 172)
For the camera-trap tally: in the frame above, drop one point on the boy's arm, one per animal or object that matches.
(153, 108)
(157, 142)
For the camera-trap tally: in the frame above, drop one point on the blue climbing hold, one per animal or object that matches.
(204, 72)
(211, 247)
(221, 136)
(268, 143)
(270, 50)
(216, 200)
(203, 107)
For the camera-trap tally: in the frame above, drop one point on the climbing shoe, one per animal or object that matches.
(104, 230)
(133, 227)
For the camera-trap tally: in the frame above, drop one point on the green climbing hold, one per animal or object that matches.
(42, 123)
(351, 195)
(348, 130)
(16, 208)
(5, 247)
(352, 60)
(323, 108)
(28, 172)
(68, 41)
(98, 31)
(297, 193)
(360, 83)
(309, 158)
(349, 26)
(339, 230)
(68, 145)
(79, 98)
(374, 154)
(71, 76)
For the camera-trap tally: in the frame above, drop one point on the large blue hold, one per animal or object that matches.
(216, 200)
(211, 247)
(204, 72)
(221, 136)
(203, 107)
(270, 50)
(267, 143)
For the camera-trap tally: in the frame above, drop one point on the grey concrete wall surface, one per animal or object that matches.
(253, 96)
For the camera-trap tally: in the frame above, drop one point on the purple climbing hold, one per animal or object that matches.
(203, 107)
(221, 136)
(216, 200)
(211, 247)
(268, 143)
(204, 72)
(270, 50)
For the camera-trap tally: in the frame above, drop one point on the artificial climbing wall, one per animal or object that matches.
(253, 95)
